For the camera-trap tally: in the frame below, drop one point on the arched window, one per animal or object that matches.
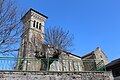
(34, 23)
(39, 26)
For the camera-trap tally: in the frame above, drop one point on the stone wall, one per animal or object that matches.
(15, 75)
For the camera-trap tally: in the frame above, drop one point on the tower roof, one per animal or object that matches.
(34, 11)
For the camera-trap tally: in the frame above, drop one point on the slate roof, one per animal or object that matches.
(113, 63)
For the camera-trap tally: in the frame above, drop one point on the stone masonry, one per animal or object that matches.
(14, 75)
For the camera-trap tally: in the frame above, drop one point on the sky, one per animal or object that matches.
(94, 23)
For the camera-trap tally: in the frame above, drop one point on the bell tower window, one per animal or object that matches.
(34, 23)
(39, 26)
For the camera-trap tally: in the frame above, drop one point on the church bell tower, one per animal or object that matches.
(32, 36)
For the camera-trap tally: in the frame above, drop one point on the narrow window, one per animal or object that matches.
(37, 25)
(34, 23)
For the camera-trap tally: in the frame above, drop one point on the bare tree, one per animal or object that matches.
(9, 26)
(58, 38)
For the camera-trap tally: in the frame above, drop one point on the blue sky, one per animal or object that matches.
(94, 23)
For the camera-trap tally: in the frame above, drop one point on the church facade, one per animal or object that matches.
(34, 55)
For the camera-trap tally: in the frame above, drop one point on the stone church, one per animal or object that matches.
(34, 55)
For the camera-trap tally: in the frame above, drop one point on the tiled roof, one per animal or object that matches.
(88, 54)
(72, 54)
